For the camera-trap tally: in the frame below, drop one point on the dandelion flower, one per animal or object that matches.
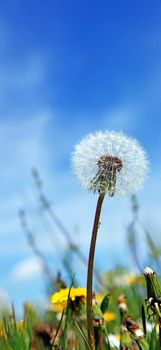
(61, 297)
(109, 316)
(99, 297)
(110, 162)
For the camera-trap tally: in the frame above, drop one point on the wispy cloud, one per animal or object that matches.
(26, 270)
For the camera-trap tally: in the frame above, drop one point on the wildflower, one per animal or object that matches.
(109, 316)
(122, 303)
(110, 162)
(153, 301)
(59, 307)
(134, 279)
(153, 284)
(136, 332)
(133, 327)
(126, 342)
(61, 297)
(99, 297)
(106, 162)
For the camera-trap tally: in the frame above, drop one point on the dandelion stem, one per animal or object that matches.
(90, 272)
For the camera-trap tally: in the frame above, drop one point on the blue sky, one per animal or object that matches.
(68, 68)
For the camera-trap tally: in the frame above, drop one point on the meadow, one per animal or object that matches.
(124, 312)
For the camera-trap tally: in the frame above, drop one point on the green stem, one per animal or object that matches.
(90, 272)
(121, 319)
(160, 331)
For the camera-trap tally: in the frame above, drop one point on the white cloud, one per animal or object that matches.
(27, 270)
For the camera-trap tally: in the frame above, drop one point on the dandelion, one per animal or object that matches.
(61, 297)
(134, 279)
(109, 316)
(153, 284)
(112, 163)
(153, 301)
(99, 297)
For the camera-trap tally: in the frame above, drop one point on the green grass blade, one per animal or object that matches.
(67, 320)
(59, 325)
(82, 334)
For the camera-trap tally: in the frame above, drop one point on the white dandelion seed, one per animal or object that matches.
(110, 162)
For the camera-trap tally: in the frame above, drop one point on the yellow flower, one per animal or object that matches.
(61, 297)
(99, 298)
(59, 307)
(134, 279)
(109, 316)
(118, 337)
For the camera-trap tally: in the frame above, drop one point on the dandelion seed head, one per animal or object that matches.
(110, 162)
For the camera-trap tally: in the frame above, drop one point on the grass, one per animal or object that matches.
(115, 325)
(126, 312)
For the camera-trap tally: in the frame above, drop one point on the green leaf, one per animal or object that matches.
(153, 338)
(105, 303)
(108, 345)
(143, 344)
